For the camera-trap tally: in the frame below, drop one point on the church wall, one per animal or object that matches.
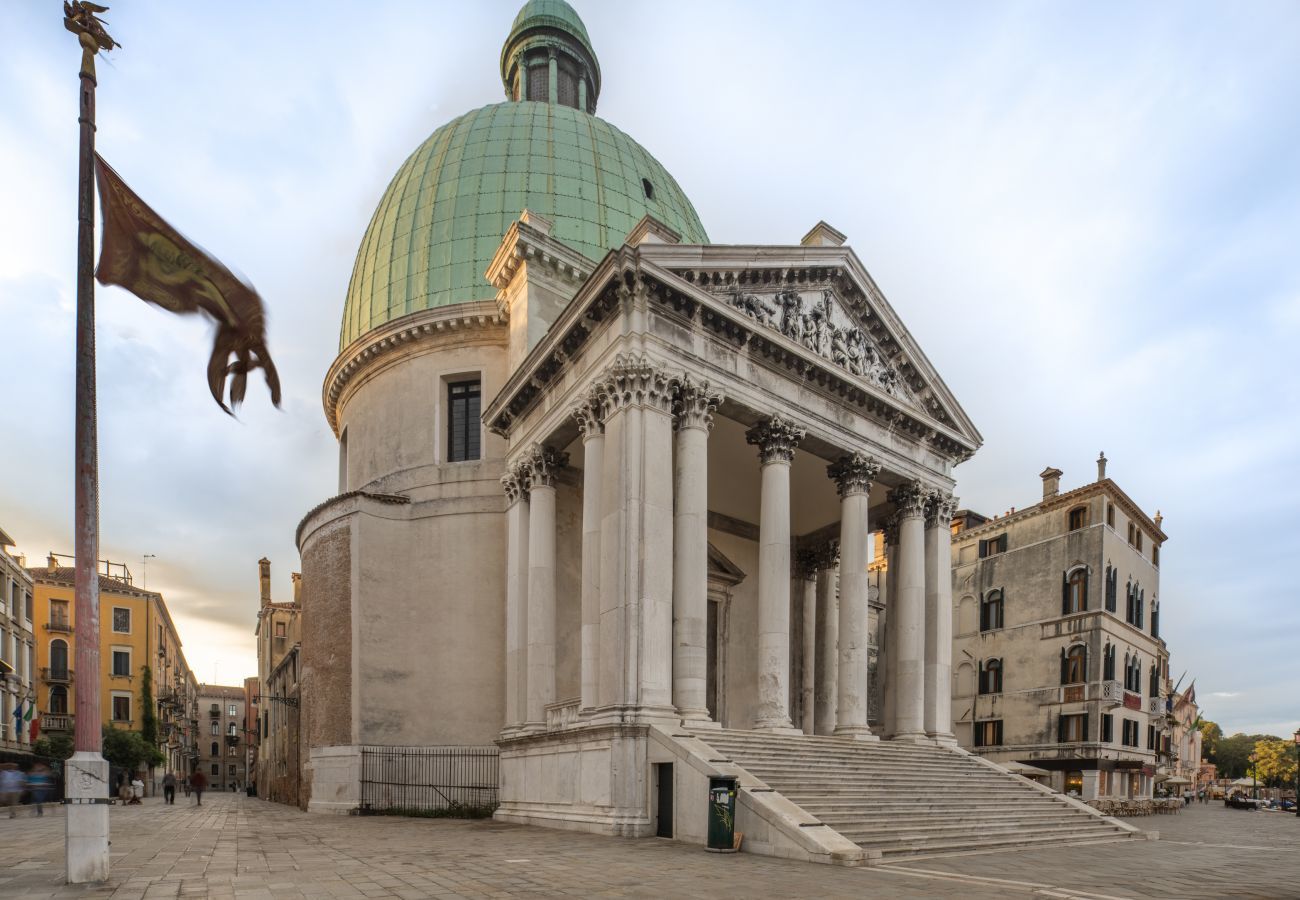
(431, 619)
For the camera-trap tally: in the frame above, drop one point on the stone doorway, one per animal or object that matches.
(723, 576)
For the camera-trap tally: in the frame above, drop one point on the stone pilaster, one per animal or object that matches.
(889, 656)
(693, 407)
(909, 698)
(515, 484)
(776, 439)
(804, 674)
(938, 617)
(590, 415)
(853, 476)
(543, 464)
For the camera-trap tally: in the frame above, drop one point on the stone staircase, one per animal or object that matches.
(909, 800)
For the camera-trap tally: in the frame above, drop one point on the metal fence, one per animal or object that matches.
(428, 778)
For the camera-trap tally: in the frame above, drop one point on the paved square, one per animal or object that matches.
(234, 847)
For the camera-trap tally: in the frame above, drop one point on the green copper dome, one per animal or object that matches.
(445, 213)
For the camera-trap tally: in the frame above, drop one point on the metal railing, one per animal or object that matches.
(62, 625)
(56, 722)
(428, 778)
(57, 676)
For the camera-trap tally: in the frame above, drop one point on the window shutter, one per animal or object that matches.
(1064, 667)
(1085, 590)
(1060, 729)
(1065, 594)
(984, 549)
(1084, 736)
(979, 734)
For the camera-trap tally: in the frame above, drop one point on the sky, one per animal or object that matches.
(1086, 213)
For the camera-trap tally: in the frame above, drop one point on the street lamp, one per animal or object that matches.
(1254, 778)
(1297, 771)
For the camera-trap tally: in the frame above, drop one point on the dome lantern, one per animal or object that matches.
(548, 57)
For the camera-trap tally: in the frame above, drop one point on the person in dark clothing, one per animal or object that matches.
(199, 782)
(169, 788)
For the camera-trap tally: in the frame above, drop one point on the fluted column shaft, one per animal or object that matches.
(891, 627)
(543, 464)
(693, 407)
(591, 422)
(853, 476)
(517, 514)
(806, 608)
(776, 439)
(909, 699)
(938, 619)
(825, 697)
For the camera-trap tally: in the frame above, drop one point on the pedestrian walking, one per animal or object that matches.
(169, 789)
(137, 790)
(39, 781)
(198, 781)
(11, 787)
(185, 785)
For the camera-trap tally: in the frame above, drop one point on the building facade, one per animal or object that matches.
(278, 647)
(623, 484)
(251, 728)
(138, 641)
(223, 755)
(1185, 735)
(1059, 663)
(17, 651)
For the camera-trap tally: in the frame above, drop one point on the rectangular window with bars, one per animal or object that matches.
(121, 620)
(464, 398)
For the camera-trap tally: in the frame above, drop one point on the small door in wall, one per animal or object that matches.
(664, 800)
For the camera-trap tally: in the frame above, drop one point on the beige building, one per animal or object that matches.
(18, 666)
(1058, 658)
(1185, 735)
(277, 733)
(222, 755)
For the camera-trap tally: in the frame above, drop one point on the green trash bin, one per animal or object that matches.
(722, 814)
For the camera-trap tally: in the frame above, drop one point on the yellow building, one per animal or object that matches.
(135, 631)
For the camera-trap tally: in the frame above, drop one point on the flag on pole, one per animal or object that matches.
(151, 259)
(31, 709)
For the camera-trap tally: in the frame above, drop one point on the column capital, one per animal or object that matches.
(828, 555)
(694, 403)
(889, 527)
(590, 415)
(939, 509)
(635, 380)
(853, 474)
(806, 561)
(910, 499)
(516, 483)
(543, 464)
(776, 439)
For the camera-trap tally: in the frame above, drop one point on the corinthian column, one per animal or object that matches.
(693, 406)
(515, 483)
(776, 439)
(543, 465)
(827, 626)
(909, 698)
(853, 475)
(890, 637)
(806, 563)
(938, 618)
(591, 422)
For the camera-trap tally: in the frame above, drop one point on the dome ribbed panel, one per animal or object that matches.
(443, 216)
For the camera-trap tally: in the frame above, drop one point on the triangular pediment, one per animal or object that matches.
(823, 300)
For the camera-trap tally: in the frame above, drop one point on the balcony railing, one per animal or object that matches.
(1157, 706)
(56, 722)
(57, 676)
(62, 625)
(1110, 693)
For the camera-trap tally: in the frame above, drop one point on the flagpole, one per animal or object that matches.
(87, 782)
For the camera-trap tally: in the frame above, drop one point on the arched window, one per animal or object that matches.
(1155, 618)
(1112, 588)
(1075, 594)
(991, 611)
(216, 749)
(59, 659)
(58, 700)
(1074, 665)
(991, 677)
(216, 727)
(1078, 518)
(232, 729)
(1108, 663)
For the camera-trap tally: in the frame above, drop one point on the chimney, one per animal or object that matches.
(1101, 466)
(264, 575)
(1051, 482)
(51, 564)
(296, 577)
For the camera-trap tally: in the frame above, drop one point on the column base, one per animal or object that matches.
(777, 727)
(86, 788)
(697, 718)
(943, 738)
(911, 737)
(856, 732)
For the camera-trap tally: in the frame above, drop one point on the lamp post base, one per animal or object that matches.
(86, 792)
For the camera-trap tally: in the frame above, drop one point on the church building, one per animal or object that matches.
(608, 493)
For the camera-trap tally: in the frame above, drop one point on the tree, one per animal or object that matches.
(1275, 762)
(53, 746)
(1232, 754)
(128, 750)
(148, 718)
(1211, 734)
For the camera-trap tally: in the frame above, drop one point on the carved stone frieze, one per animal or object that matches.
(636, 380)
(590, 415)
(776, 439)
(853, 474)
(910, 499)
(543, 464)
(694, 403)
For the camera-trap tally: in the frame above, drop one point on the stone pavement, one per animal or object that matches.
(234, 847)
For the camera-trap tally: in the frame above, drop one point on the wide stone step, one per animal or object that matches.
(924, 831)
(971, 841)
(875, 809)
(856, 822)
